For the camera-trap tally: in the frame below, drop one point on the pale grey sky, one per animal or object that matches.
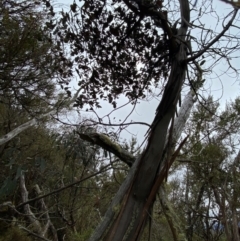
(224, 88)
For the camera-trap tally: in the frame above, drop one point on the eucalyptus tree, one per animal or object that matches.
(125, 48)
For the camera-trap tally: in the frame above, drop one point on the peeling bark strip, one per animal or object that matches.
(132, 217)
(155, 187)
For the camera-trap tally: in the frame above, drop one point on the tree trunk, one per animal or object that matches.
(235, 224)
(132, 216)
(222, 207)
(179, 124)
(141, 192)
(171, 216)
(235, 199)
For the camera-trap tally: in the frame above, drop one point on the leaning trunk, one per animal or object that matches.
(131, 217)
(130, 222)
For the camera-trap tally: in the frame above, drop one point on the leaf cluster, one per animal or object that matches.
(115, 50)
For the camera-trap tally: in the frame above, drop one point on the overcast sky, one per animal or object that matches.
(223, 89)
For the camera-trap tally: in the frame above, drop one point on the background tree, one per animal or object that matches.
(209, 161)
(30, 70)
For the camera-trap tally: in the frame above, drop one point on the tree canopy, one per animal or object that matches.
(82, 181)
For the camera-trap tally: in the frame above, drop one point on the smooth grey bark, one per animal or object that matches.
(107, 144)
(36, 228)
(129, 224)
(183, 115)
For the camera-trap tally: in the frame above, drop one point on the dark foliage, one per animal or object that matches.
(30, 62)
(126, 55)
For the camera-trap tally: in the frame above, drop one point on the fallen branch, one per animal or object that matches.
(107, 144)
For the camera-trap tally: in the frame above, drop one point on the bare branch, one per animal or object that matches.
(32, 218)
(33, 234)
(62, 188)
(63, 104)
(199, 53)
